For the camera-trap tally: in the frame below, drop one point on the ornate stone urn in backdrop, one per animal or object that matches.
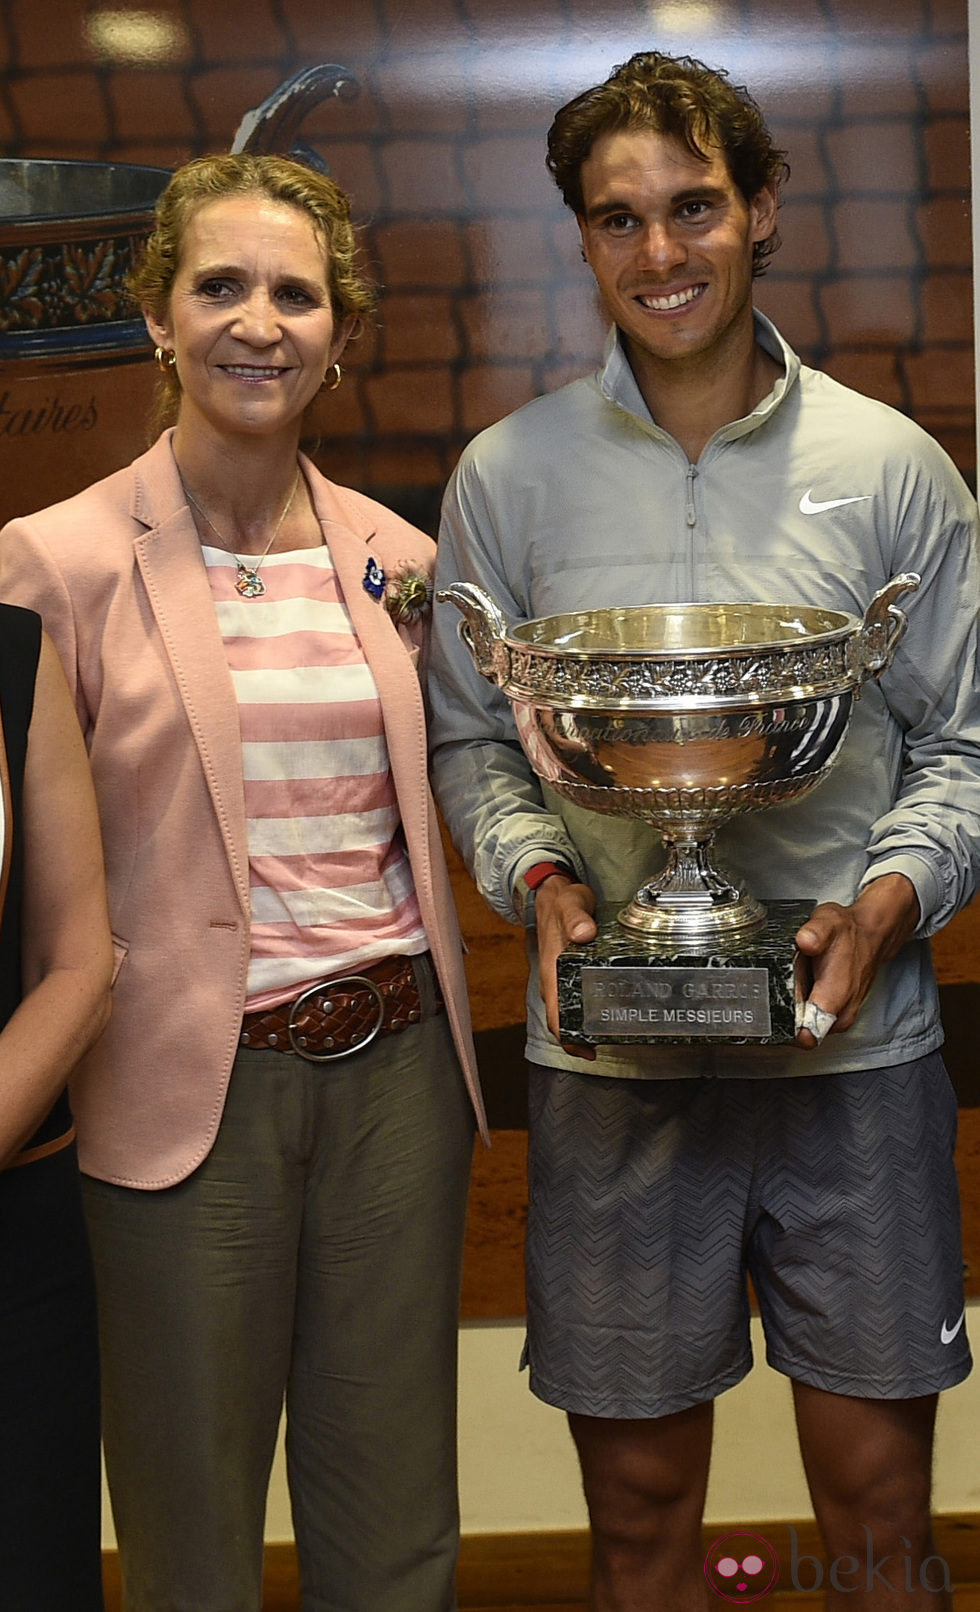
(76, 365)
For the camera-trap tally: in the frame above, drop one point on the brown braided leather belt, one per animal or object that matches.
(339, 1016)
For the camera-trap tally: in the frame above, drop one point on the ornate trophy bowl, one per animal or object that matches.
(684, 715)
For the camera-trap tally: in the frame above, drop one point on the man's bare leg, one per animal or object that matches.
(869, 1466)
(645, 1485)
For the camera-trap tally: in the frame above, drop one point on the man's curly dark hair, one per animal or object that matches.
(678, 96)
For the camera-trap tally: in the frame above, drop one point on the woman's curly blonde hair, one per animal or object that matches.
(279, 179)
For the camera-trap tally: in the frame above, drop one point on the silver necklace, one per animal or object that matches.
(248, 582)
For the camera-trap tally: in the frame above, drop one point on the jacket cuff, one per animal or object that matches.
(925, 880)
(522, 897)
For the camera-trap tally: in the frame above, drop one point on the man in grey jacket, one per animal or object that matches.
(703, 461)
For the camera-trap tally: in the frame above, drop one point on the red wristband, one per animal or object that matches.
(543, 870)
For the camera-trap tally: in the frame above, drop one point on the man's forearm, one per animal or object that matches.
(497, 819)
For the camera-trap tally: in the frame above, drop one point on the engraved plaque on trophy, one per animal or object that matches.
(684, 716)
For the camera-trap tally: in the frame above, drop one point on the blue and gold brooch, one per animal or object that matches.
(407, 595)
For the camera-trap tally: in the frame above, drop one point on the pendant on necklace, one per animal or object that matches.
(248, 583)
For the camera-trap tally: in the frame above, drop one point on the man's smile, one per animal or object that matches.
(672, 299)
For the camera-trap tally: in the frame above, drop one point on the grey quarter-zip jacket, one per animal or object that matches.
(819, 497)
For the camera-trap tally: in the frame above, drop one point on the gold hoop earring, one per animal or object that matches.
(165, 358)
(337, 378)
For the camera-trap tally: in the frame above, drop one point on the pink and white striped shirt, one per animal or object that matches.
(331, 884)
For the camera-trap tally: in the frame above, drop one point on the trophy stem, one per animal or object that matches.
(691, 900)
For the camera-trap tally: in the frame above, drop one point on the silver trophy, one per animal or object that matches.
(684, 715)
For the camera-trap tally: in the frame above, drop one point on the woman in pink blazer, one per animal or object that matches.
(277, 1125)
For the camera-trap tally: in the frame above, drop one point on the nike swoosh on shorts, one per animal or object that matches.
(947, 1334)
(808, 507)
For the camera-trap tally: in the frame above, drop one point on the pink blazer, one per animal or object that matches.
(118, 577)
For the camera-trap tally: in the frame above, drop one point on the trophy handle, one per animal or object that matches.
(483, 630)
(870, 651)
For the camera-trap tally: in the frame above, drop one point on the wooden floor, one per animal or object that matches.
(965, 1599)
(282, 1595)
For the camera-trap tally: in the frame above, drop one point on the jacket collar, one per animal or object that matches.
(158, 495)
(353, 540)
(618, 384)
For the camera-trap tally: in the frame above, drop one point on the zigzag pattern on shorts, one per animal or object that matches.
(650, 1198)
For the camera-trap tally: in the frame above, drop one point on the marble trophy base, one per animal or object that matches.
(622, 990)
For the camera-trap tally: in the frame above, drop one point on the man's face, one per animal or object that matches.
(669, 238)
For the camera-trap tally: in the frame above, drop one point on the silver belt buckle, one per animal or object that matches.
(323, 988)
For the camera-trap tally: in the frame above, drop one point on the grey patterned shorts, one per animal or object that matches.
(650, 1200)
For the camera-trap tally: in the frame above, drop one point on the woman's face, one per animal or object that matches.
(250, 319)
